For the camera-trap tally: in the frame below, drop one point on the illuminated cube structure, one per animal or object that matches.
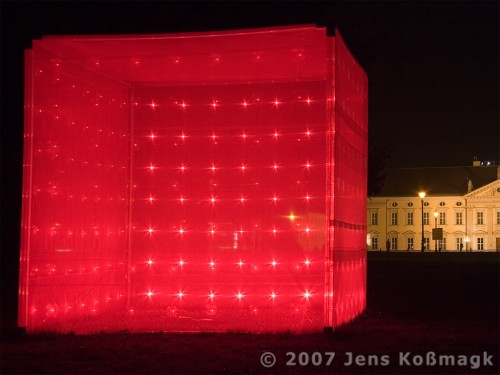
(193, 182)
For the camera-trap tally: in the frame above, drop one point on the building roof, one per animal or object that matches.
(437, 181)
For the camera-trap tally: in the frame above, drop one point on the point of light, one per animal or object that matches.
(214, 104)
(307, 294)
(308, 133)
(275, 166)
(153, 105)
(307, 197)
(276, 102)
(150, 262)
(151, 167)
(244, 136)
(181, 263)
(273, 295)
(240, 295)
(212, 263)
(274, 263)
(151, 199)
(183, 105)
(307, 262)
(244, 104)
(213, 199)
(150, 230)
(182, 168)
(243, 167)
(211, 295)
(308, 101)
(152, 136)
(308, 165)
(212, 231)
(180, 294)
(275, 231)
(242, 199)
(307, 229)
(276, 134)
(213, 167)
(149, 294)
(181, 231)
(183, 136)
(275, 199)
(240, 263)
(181, 199)
(292, 217)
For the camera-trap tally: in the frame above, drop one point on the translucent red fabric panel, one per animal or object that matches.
(75, 192)
(203, 182)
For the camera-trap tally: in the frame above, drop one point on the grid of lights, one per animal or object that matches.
(196, 204)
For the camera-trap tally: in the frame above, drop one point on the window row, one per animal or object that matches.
(440, 218)
(392, 244)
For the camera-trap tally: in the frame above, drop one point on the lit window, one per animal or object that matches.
(480, 243)
(394, 243)
(442, 218)
(426, 218)
(480, 218)
(409, 218)
(394, 218)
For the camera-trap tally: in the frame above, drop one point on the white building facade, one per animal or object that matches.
(470, 222)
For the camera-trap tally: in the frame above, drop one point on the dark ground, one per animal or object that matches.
(447, 303)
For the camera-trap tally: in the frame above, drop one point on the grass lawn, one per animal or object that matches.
(446, 303)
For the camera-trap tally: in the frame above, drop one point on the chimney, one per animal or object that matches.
(476, 162)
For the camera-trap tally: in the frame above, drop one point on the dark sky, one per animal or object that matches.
(432, 70)
(432, 66)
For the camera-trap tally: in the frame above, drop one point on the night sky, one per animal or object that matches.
(433, 69)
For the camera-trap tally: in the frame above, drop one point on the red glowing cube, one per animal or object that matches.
(194, 182)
